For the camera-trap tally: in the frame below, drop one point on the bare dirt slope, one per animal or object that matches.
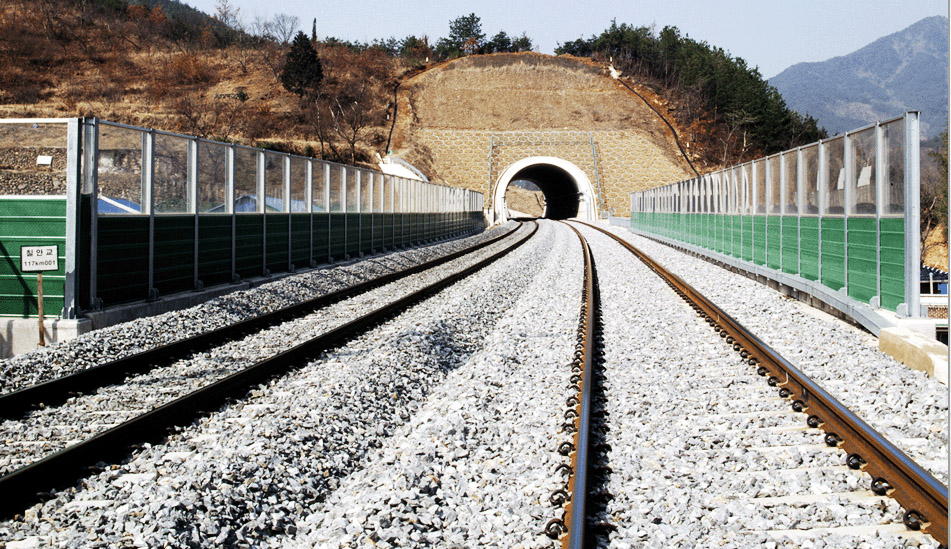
(529, 104)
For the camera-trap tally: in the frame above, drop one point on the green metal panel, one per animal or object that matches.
(353, 234)
(399, 221)
(379, 241)
(773, 241)
(746, 225)
(300, 240)
(809, 247)
(759, 239)
(721, 233)
(338, 245)
(173, 258)
(31, 222)
(389, 230)
(833, 252)
(790, 244)
(249, 245)
(277, 252)
(737, 224)
(366, 233)
(892, 262)
(122, 264)
(321, 233)
(863, 263)
(214, 249)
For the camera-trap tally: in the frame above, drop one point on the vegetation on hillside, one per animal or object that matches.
(934, 201)
(161, 63)
(710, 88)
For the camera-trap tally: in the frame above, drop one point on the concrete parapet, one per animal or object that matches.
(916, 351)
(20, 335)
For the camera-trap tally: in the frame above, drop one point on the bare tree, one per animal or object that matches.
(219, 117)
(284, 27)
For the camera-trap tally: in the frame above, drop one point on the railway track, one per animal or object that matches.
(33, 482)
(893, 474)
(657, 442)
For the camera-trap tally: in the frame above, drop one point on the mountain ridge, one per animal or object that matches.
(905, 70)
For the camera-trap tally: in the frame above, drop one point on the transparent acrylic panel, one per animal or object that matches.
(212, 177)
(862, 180)
(399, 195)
(320, 187)
(298, 184)
(835, 176)
(367, 200)
(336, 188)
(353, 191)
(759, 186)
(772, 184)
(893, 195)
(120, 171)
(715, 193)
(790, 164)
(245, 180)
(746, 190)
(388, 193)
(810, 180)
(33, 159)
(170, 178)
(274, 182)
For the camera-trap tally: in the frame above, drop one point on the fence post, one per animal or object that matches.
(229, 208)
(309, 197)
(912, 216)
(286, 206)
(262, 208)
(74, 216)
(148, 203)
(192, 162)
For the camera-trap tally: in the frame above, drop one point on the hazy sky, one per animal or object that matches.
(770, 34)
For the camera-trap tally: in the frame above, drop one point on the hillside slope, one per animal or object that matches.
(907, 70)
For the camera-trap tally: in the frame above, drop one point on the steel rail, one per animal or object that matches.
(32, 483)
(893, 473)
(54, 391)
(577, 505)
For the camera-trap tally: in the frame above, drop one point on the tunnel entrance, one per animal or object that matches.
(568, 191)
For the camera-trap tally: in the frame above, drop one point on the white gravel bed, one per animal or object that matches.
(128, 338)
(45, 431)
(473, 468)
(692, 443)
(248, 474)
(906, 406)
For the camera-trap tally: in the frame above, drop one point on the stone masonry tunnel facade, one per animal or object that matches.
(468, 122)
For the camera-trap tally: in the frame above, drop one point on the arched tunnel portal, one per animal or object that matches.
(567, 189)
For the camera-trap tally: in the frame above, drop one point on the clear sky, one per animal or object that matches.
(769, 34)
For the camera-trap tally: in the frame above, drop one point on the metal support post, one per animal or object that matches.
(74, 215)
(193, 205)
(912, 215)
(90, 167)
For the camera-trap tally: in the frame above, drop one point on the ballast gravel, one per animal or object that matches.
(45, 431)
(703, 452)
(138, 335)
(906, 406)
(473, 468)
(251, 473)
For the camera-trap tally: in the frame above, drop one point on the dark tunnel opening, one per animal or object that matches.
(562, 195)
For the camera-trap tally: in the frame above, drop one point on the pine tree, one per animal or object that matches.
(302, 71)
